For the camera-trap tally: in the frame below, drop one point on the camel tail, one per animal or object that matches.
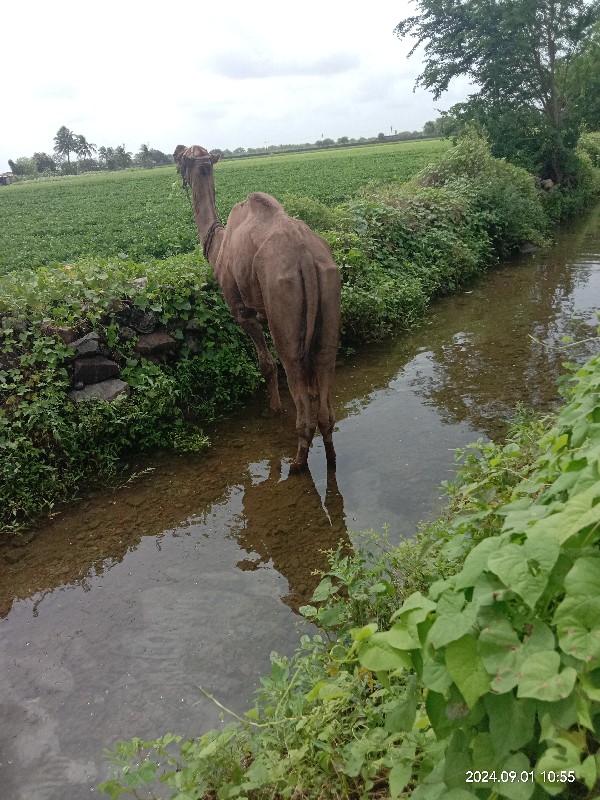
(312, 321)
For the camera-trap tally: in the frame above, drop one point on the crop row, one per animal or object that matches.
(144, 214)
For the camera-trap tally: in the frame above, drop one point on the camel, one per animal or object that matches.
(273, 267)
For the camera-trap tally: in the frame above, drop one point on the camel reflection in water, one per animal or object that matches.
(288, 524)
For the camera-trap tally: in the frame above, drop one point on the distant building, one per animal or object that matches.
(5, 178)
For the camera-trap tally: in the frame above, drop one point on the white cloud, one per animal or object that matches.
(131, 73)
(257, 65)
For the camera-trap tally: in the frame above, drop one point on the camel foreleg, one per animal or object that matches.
(266, 363)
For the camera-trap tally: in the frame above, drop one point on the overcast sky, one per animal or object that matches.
(235, 74)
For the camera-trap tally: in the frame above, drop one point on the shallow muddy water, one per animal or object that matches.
(190, 573)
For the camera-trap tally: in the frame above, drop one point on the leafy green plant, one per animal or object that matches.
(506, 650)
(463, 664)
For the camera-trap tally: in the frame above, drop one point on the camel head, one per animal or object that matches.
(194, 162)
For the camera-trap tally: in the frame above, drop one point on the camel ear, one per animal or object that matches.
(214, 157)
(179, 151)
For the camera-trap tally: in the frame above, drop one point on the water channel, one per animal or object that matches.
(190, 574)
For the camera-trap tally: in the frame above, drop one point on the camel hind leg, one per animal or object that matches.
(306, 417)
(326, 420)
(325, 357)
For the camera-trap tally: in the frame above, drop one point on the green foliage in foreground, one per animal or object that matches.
(475, 675)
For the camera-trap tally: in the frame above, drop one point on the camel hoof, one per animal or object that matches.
(296, 467)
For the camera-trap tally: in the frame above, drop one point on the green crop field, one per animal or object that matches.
(144, 214)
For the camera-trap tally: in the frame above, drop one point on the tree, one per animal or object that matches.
(114, 158)
(44, 162)
(65, 143)
(521, 54)
(22, 166)
(143, 157)
(586, 84)
(83, 148)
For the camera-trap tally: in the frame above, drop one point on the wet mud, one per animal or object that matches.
(113, 612)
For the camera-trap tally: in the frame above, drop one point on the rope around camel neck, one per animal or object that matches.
(206, 244)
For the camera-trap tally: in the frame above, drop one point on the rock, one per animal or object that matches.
(547, 184)
(194, 326)
(142, 321)
(106, 390)
(193, 343)
(94, 369)
(66, 335)
(139, 283)
(155, 344)
(126, 333)
(88, 345)
(17, 325)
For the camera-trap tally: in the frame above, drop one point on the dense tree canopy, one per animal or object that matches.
(522, 55)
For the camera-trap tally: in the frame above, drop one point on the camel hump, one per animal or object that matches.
(262, 203)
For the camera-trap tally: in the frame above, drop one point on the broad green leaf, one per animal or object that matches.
(324, 590)
(377, 654)
(517, 789)
(404, 633)
(525, 568)
(590, 683)
(578, 513)
(467, 669)
(400, 775)
(577, 622)
(402, 717)
(360, 634)
(511, 722)
(476, 562)
(540, 677)
(451, 622)
(414, 602)
(588, 772)
(498, 649)
(583, 579)
(458, 759)
(482, 750)
(583, 711)
(435, 673)
(489, 591)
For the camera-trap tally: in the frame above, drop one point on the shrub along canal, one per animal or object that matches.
(191, 573)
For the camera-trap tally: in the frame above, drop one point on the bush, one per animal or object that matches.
(317, 215)
(589, 143)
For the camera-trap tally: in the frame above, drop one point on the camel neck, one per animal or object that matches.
(208, 223)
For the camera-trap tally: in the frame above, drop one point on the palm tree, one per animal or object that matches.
(144, 157)
(83, 148)
(65, 143)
